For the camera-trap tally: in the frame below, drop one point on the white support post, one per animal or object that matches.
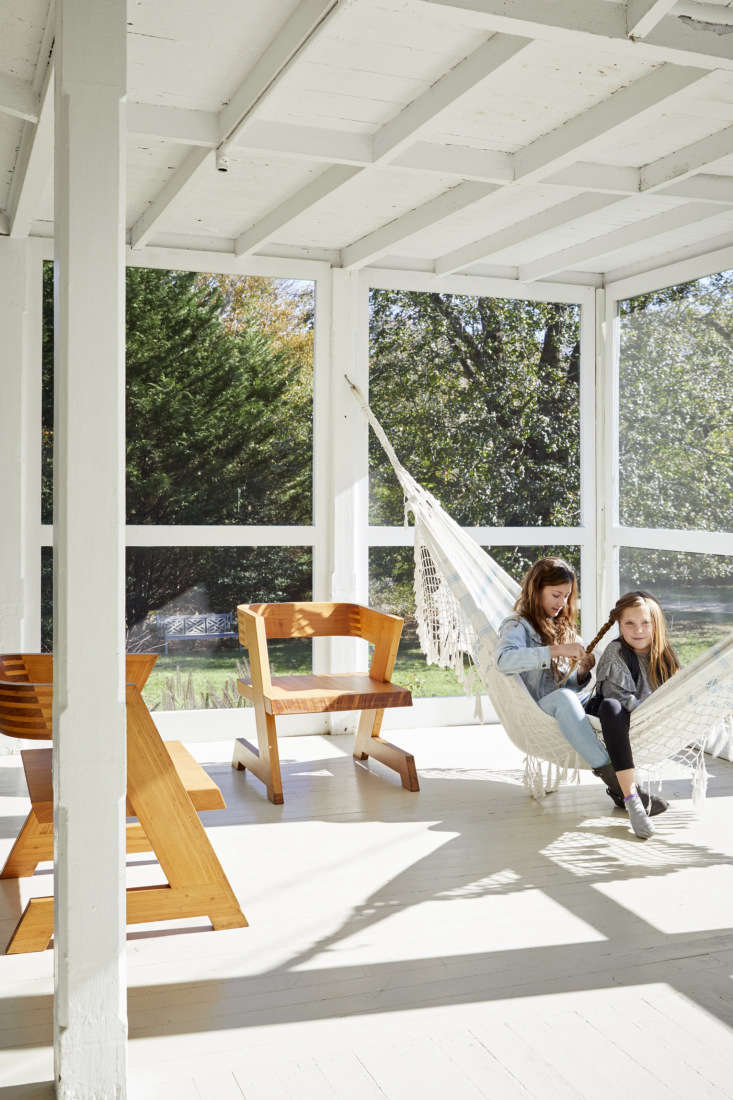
(606, 452)
(90, 1025)
(349, 462)
(588, 462)
(20, 433)
(322, 480)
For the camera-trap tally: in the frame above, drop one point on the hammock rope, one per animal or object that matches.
(462, 595)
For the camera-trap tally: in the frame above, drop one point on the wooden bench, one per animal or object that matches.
(34, 844)
(177, 628)
(319, 694)
(165, 788)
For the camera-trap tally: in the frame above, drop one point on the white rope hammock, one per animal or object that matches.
(462, 595)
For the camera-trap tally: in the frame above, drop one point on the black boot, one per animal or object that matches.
(613, 787)
(651, 803)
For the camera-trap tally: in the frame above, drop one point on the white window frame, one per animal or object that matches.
(330, 403)
(585, 534)
(613, 535)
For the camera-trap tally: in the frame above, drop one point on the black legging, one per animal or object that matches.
(615, 727)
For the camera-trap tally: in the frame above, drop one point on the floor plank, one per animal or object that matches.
(463, 942)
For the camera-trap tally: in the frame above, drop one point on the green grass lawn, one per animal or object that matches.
(211, 675)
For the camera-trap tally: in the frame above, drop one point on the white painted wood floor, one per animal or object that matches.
(458, 943)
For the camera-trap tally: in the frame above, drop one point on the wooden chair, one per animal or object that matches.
(165, 788)
(318, 694)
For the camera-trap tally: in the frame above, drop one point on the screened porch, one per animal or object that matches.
(511, 226)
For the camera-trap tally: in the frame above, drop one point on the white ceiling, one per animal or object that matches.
(532, 139)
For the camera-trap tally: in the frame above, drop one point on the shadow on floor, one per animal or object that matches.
(497, 842)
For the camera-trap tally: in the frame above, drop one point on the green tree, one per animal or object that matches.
(218, 431)
(480, 398)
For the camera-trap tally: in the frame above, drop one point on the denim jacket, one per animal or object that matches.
(522, 652)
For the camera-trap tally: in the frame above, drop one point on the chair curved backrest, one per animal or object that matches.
(320, 620)
(26, 691)
(26, 688)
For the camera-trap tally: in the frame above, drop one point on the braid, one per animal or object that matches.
(604, 629)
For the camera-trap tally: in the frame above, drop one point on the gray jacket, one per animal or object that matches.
(614, 680)
(522, 652)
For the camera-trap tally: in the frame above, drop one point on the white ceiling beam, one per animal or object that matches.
(263, 77)
(596, 24)
(277, 219)
(617, 239)
(481, 165)
(315, 143)
(18, 98)
(387, 237)
(32, 171)
(306, 142)
(562, 214)
(688, 161)
(676, 39)
(465, 77)
(703, 188)
(641, 101)
(608, 178)
(147, 222)
(642, 16)
(174, 124)
(393, 137)
(573, 20)
(309, 17)
(644, 99)
(705, 13)
(713, 248)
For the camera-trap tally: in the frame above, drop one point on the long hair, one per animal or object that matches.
(663, 661)
(548, 571)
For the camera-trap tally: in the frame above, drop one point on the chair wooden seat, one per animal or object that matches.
(320, 694)
(165, 788)
(328, 692)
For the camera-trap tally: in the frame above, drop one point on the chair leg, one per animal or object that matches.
(33, 846)
(264, 762)
(369, 743)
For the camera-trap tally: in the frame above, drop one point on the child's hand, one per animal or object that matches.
(586, 664)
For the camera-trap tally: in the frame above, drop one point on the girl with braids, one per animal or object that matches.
(630, 669)
(538, 643)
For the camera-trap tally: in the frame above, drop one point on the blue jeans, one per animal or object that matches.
(567, 709)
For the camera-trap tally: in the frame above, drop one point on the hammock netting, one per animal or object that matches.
(462, 595)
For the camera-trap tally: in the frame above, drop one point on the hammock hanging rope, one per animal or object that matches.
(462, 595)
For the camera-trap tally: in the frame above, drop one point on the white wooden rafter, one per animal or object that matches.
(17, 98)
(562, 214)
(199, 128)
(305, 21)
(685, 162)
(596, 24)
(647, 228)
(33, 165)
(482, 63)
(673, 264)
(639, 102)
(388, 236)
(394, 136)
(279, 218)
(643, 100)
(642, 16)
(309, 18)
